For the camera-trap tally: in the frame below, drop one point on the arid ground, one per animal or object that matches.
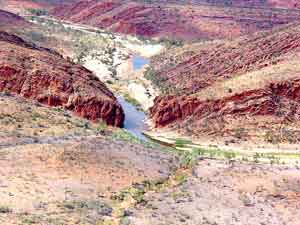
(215, 83)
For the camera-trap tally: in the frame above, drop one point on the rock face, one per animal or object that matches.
(280, 99)
(40, 74)
(181, 20)
(169, 109)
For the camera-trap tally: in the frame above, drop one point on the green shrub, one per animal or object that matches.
(38, 12)
(180, 143)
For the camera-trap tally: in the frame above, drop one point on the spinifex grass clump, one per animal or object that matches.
(180, 143)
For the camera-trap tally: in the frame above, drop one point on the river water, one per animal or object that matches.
(139, 62)
(134, 119)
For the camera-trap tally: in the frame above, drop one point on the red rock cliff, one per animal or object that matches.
(277, 99)
(43, 75)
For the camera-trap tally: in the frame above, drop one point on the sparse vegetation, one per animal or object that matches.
(42, 122)
(122, 134)
(159, 82)
(180, 143)
(283, 135)
(190, 154)
(169, 43)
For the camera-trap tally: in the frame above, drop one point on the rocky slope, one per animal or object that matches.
(245, 89)
(9, 20)
(174, 21)
(291, 4)
(43, 75)
(21, 6)
(205, 64)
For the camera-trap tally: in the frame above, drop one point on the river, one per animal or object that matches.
(135, 119)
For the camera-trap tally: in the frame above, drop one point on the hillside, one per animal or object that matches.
(247, 89)
(200, 65)
(291, 4)
(9, 20)
(58, 168)
(43, 75)
(174, 21)
(21, 6)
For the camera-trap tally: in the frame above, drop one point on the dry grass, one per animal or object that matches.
(287, 69)
(19, 117)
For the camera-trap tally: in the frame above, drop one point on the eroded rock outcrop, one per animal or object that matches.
(277, 99)
(43, 75)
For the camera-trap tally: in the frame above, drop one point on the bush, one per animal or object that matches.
(171, 42)
(36, 36)
(5, 210)
(38, 12)
(182, 143)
